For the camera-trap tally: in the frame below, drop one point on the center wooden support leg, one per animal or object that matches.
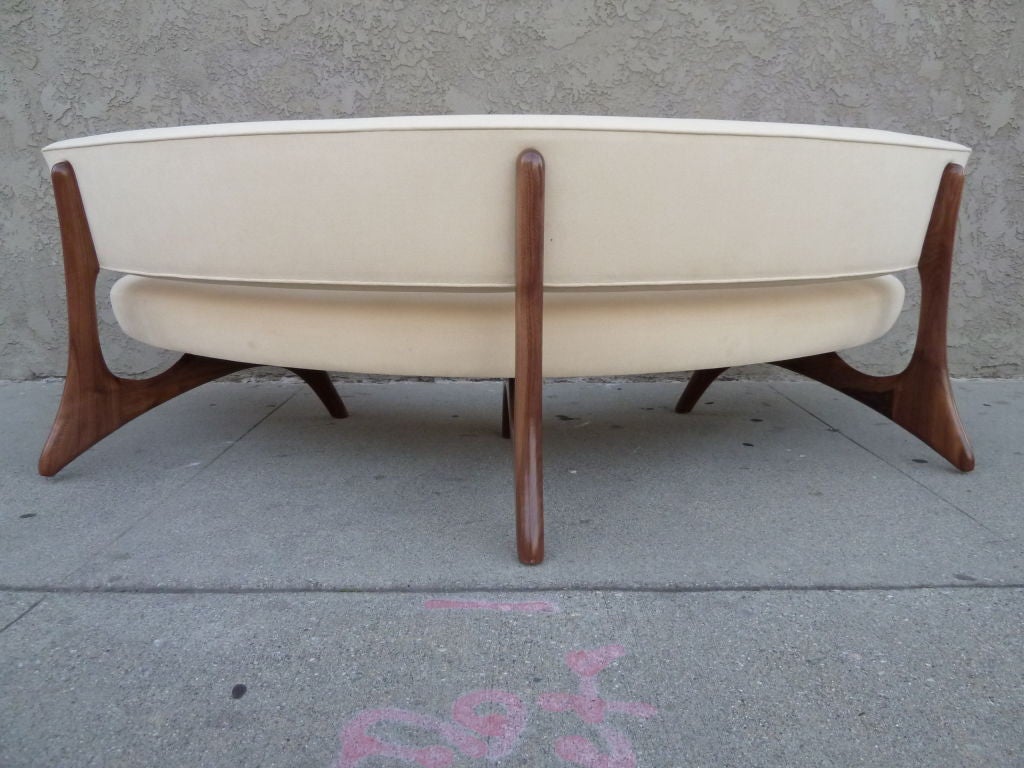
(95, 402)
(527, 399)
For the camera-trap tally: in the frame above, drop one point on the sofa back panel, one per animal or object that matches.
(640, 203)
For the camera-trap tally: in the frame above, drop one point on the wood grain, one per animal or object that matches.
(528, 385)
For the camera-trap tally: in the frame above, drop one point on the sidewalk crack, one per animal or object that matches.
(154, 504)
(885, 461)
(438, 589)
(21, 615)
(236, 441)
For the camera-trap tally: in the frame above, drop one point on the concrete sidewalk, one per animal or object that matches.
(781, 578)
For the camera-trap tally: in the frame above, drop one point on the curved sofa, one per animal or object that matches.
(437, 246)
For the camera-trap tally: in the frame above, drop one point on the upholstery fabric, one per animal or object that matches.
(429, 202)
(471, 334)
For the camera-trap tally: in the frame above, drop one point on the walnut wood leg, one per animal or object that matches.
(320, 383)
(920, 398)
(697, 386)
(508, 394)
(95, 402)
(528, 405)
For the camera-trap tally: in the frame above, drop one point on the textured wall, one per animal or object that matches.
(950, 69)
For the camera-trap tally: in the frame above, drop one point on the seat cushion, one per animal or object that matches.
(472, 334)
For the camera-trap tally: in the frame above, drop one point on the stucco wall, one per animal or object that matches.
(949, 69)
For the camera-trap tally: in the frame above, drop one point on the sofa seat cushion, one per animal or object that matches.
(471, 334)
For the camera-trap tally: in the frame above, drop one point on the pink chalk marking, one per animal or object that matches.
(592, 709)
(504, 731)
(576, 749)
(589, 663)
(535, 606)
(357, 743)
(494, 735)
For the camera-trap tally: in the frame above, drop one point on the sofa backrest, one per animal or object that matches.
(429, 201)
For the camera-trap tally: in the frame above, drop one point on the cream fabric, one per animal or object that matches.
(472, 334)
(512, 122)
(428, 202)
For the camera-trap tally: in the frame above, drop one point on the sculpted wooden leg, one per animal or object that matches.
(320, 383)
(508, 394)
(528, 405)
(697, 386)
(95, 402)
(920, 398)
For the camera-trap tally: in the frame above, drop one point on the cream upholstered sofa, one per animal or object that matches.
(413, 246)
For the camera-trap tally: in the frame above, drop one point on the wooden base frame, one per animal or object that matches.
(920, 398)
(95, 402)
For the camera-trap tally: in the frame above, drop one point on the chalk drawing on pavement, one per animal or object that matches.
(488, 724)
(530, 606)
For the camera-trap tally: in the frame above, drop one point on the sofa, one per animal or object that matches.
(506, 247)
